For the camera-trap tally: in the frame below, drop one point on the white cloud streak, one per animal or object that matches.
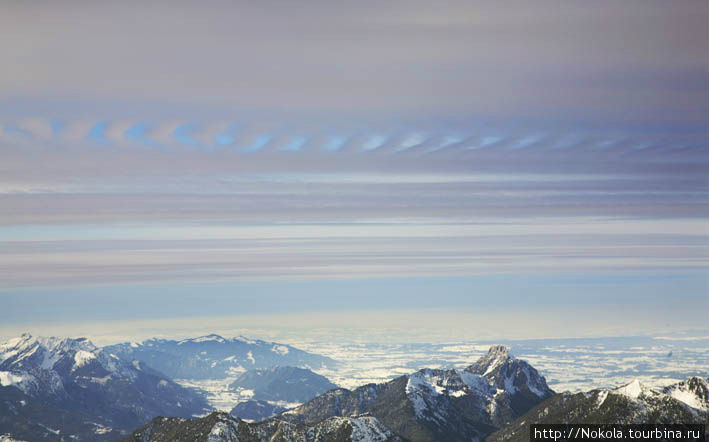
(383, 139)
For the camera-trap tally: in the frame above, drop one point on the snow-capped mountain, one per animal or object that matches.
(220, 427)
(52, 388)
(252, 410)
(632, 403)
(518, 385)
(438, 404)
(429, 405)
(289, 384)
(693, 392)
(215, 357)
(509, 373)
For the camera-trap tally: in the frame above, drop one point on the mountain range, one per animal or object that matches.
(439, 404)
(431, 404)
(494, 399)
(634, 403)
(220, 427)
(54, 389)
(215, 357)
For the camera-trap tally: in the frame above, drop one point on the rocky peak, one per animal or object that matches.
(633, 389)
(507, 373)
(497, 356)
(43, 352)
(698, 386)
(693, 392)
(499, 351)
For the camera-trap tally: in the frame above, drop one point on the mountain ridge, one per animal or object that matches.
(214, 357)
(616, 400)
(631, 403)
(289, 384)
(46, 382)
(427, 405)
(221, 427)
(440, 403)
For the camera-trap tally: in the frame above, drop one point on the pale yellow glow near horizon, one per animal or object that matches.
(390, 326)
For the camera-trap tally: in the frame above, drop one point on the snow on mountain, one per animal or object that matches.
(29, 362)
(510, 374)
(208, 338)
(454, 383)
(280, 349)
(500, 385)
(225, 430)
(428, 383)
(286, 384)
(81, 358)
(81, 389)
(364, 428)
(438, 404)
(632, 403)
(255, 410)
(220, 427)
(633, 390)
(494, 372)
(693, 392)
(21, 381)
(8, 438)
(215, 357)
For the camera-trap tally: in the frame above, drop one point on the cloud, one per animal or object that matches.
(275, 204)
(172, 142)
(639, 62)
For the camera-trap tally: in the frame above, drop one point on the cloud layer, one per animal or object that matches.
(638, 61)
(173, 143)
(120, 201)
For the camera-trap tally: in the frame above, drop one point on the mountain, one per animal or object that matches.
(438, 404)
(429, 405)
(693, 392)
(633, 403)
(522, 384)
(215, 357)
(220, 427)
(289, 384)
(255, 410)
(52, 389)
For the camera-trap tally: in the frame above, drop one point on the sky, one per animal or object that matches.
(385, 162)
